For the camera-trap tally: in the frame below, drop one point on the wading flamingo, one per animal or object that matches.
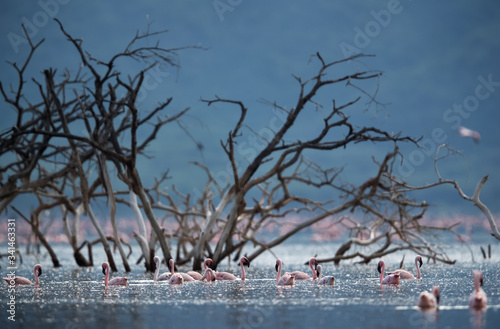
(228, 276)
(478, 298)
(390, 279)
(299, 275)
(287, 279)
(405, 275)
(163, 277)
(186, 277)
(326, 280)
(429, 301)
(197, 276)
(176, 278)
(209, 274)
(117, 281)
(20, 280)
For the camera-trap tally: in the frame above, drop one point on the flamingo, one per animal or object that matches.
(176, 278)
(209, 274)
(389, 279)
(326, 280)
(478, 298)
(287, 279)
(228, 276)
(163, 277)
(186, 277)
(427, 300)
(20, 280)
(299, 275)
(466, 132)
(117, 281)
(405, 275)
(197, 276)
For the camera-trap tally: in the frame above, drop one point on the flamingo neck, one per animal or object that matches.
(106, 278)
(382, 273)
(418, 269)
(279, 272)
(172, 265)
(312, 269)
(242, 270)
(157, 271)
(37, 281)
(319, 274)
(476, 283)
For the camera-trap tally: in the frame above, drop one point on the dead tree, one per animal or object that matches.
(474, 199)
(278, 165)
(102, 100)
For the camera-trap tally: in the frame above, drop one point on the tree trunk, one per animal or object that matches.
(139, 190)
(112, 209)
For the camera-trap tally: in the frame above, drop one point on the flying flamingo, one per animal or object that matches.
(228, 276)
(20, 280)
(186, 277)
(299, 275)
(427, 300)
(197, 276)
(326, 280)
(117, 281)
(405, 275)
(209, 274)
(466, 132)
(389, 279)
(163, 277)
(478, 298)
(287, 279)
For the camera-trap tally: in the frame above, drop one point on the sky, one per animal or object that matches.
(439, 62)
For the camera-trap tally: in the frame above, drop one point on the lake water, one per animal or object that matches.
(71, 297)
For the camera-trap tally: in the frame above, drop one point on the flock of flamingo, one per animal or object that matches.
(426, 300)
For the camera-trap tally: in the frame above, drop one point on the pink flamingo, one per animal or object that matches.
(287, 279)
(326, 280)
(427, 300)
(176, 278)
(20, 280)
(163, 277)
(299, 275)
(466, 132)
(390, 279)
(405, 275)
(228, 276)
(209, 274)
(197, 276)
(117, 281)
(186, 277)
(478, 299)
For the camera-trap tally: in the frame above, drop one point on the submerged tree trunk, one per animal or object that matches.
(112, 209)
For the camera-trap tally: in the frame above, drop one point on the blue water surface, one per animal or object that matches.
(71, 297)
